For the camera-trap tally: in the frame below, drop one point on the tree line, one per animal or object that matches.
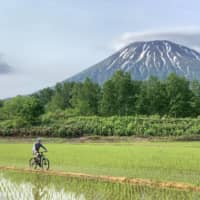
(175, 97)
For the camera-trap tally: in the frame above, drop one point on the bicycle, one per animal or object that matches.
(40, 161)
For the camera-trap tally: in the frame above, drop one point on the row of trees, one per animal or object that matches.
(175, 96)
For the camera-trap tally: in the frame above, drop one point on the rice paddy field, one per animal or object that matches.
(156, 161)
(15, 186)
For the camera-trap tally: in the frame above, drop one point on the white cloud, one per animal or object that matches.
(186, 36)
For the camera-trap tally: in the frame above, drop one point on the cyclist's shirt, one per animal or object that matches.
(37, 146)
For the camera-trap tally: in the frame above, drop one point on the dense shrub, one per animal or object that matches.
(65, 126)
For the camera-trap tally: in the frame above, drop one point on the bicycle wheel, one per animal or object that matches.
(45, 163)
(32, 163)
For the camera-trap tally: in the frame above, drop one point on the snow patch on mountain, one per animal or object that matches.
(144, 59)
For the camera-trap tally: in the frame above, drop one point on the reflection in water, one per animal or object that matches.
(19, 186)
(11, 190)
(28, 191)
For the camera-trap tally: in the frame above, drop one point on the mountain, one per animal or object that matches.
(144, 59)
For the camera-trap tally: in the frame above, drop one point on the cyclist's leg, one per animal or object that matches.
(39, 159)
(36, 157)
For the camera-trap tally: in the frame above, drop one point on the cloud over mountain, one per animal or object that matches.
(187, 36)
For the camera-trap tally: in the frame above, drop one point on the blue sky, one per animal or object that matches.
(46, 41)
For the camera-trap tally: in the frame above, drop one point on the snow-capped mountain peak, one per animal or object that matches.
(144, 59)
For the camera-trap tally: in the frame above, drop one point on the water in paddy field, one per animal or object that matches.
(19, 186)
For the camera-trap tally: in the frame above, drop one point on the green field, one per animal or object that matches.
(163, 161)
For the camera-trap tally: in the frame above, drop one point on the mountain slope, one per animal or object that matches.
(144, 59)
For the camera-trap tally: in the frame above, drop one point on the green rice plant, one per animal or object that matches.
(158, 161)
(17, 186)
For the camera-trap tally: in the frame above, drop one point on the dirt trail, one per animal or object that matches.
(134, 181)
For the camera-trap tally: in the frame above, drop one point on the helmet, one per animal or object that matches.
(38, 140)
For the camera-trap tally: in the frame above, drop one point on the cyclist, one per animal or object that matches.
(36, 149)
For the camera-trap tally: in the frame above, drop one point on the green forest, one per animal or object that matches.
(121, 106)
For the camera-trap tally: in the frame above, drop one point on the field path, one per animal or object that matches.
(134, 181)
